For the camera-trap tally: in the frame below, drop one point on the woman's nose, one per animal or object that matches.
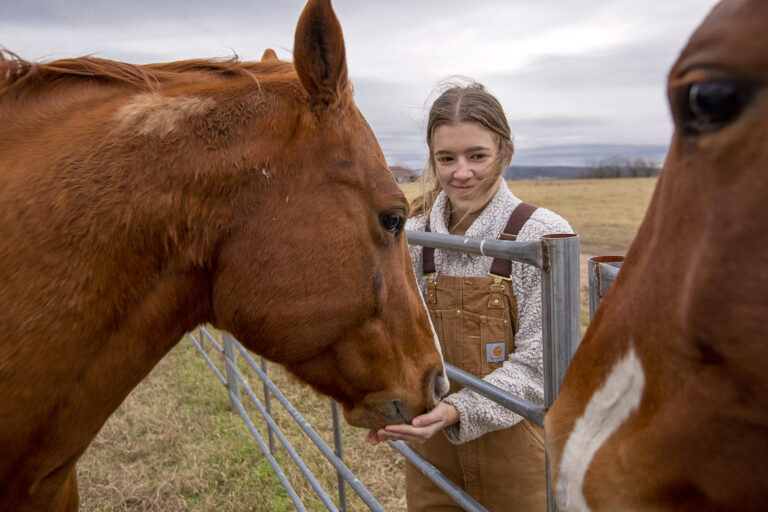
(463, 170)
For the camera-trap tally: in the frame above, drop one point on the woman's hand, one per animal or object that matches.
(421, 428)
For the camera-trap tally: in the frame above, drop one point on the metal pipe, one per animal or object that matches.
(235, 399)
(283, 440)
(339, 450)
(525, 252)
(602, 271)
(208, 360)
(561, 326)
(268, 407)
(349, 477)
(231, 354)
(524, 408)
(608, 274)
(458, 495)
(211, 339)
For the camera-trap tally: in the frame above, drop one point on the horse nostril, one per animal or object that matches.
(441, 385)
(435, 386)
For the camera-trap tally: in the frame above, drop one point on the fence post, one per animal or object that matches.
(233, 385)
(339, 451)
(561, 324)
(268, 407)
(600, 280)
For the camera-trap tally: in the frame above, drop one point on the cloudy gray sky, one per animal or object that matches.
(579, 79)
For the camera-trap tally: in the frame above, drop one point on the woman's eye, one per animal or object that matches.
(392, 222)
(712, 105)
(478, 157)
(445, 159)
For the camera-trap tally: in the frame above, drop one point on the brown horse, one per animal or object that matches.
(665, 404)
(139, 201)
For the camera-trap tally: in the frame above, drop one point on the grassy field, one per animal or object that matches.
(174, 445)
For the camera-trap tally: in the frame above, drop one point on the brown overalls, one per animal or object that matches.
(476, 321)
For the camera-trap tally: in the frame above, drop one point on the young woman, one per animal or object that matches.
(487, 313)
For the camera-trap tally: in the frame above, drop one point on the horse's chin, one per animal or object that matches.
(376, 415)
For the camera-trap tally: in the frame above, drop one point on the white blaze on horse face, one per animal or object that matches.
(154, 114)
(434, 334)
(607, 410)
(444, 383)
(429, 319)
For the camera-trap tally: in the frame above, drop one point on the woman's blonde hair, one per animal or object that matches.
(460, 103)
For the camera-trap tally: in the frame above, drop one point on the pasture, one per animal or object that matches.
(174, 445)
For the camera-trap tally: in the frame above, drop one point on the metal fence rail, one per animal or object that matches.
(558, 258)
(233, 389)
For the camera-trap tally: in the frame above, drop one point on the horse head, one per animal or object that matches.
(334, 298)
(665, 404)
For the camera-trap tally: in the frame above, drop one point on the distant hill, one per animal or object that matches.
(552, 161)
(540, 172)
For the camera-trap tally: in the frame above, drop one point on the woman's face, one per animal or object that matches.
(465, 154)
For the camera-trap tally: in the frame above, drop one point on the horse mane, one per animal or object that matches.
(16, 72)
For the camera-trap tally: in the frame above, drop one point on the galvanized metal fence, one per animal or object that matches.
(558, 258)
(602, 271)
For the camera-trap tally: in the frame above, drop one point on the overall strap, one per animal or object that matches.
(429, 256)
(520, 215)
(499, 267)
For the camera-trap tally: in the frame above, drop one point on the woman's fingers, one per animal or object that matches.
(409, 433)
(425, 420)
(423, 427)
(444, 414)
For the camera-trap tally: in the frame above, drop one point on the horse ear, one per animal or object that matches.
(319, 55)
(269, 54)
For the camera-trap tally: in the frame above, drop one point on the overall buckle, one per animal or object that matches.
(431, 297)
(496, 295)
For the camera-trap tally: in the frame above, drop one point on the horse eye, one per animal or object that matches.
(712, 105)
(392, 222)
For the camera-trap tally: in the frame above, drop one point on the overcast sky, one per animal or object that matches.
(579, 80)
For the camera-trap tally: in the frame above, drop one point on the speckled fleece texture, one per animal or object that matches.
(522, 374)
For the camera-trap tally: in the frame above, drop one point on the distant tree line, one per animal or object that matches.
(617, 167)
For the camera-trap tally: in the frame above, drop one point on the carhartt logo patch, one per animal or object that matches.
(494, 352)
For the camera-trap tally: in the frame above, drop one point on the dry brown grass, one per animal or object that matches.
(605, 213)
(174, 445)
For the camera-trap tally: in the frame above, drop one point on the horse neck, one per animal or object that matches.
(96, 304)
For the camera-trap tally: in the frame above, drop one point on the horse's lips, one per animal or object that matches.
(378, 415)
(379, 409)
(399, 413)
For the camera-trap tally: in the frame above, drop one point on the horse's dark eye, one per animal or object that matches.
(712, 105)
(392, 222)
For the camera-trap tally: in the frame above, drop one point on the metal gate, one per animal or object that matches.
(558, 258)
